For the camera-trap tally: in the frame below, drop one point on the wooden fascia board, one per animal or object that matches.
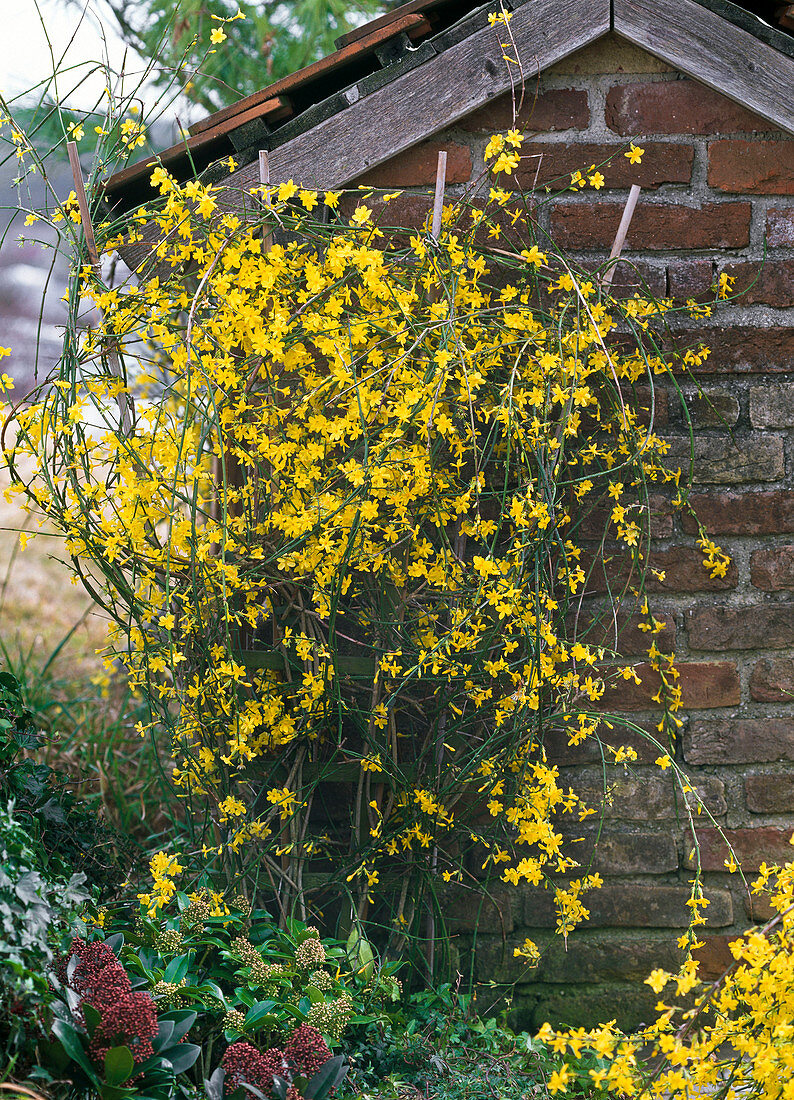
(431, 96)
(708, 48)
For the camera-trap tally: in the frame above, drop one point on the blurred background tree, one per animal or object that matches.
(275, 38)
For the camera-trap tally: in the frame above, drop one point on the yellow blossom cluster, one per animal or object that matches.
(345, 534)
(732, 1037)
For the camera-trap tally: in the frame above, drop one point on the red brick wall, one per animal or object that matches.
(718, 189)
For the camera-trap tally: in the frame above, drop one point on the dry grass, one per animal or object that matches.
(39, 604)
(89, 731)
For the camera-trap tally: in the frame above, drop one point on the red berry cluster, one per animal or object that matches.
(245, 1065)
(127, 1017)
(306, 1051)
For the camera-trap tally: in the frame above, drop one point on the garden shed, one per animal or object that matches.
(707, 89)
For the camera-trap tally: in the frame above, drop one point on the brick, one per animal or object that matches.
(590, 751)
(772, 405)
(758, 626)
(610, 54)
(471, 910)
(769, 794)
(759, 908)
(416, 167)
(713, 407)
(662, 163)
(643, 799)
(740, 741)
(770, 512)
(703, 686)
(770, 283)
(780, 227)
(726, 460)
(752, 847)
(407, 210)
(745, 349)
(752, 167)
(682, 567)
(659, 522)
(653, 227)
(676, 107)
(587, 960)
(555, 109)
(599, 630)
(582, 959)
(638, 277)
(630, 1004)
(642, 399)
(714, 956)
(772, 568)
(625, 852)
(772, 680)
(690, 279)
(684, 571)
(631, 906)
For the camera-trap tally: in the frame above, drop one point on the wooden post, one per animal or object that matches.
(264, 179)
(435, 233)
(620, 239)
(438, 204)
(122, 399)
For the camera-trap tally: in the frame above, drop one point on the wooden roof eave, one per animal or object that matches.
(430, 97)
(421, 101)
(463, 68)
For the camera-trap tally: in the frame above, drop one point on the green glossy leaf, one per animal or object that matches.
(165, 1035)
(92, 1018)
(328, 1076)
(182, 1019)
(69, 1039)
(176, 970)
(117, 1092)
(258, 1012)
(118, 1065)
(183, 1056)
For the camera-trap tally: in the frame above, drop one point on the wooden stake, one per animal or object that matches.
(620, 239)
(264, 179)
(264, 173)
(438, 204)
(82, 202)
(122, 399)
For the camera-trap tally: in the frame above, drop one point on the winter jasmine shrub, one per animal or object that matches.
(339, 503)
(342, 490)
